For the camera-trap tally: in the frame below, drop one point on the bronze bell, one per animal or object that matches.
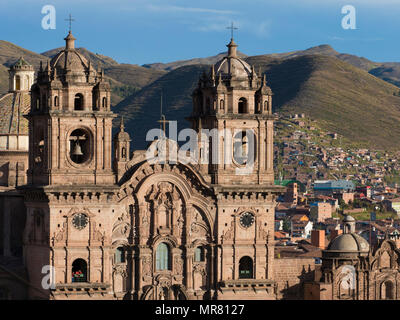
(77, 150)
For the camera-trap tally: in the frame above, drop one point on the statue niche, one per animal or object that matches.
(167, 209)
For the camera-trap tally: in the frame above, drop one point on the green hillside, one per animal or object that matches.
(343, 98)
(10, 53)
(141, 110)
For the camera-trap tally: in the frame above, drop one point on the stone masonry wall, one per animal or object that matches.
(290, 274)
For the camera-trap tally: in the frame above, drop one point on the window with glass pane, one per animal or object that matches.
(120, 255)
(162, 257)
(199, 254)
(246, 268)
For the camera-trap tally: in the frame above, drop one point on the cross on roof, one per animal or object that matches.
(163, 122)
(232, 27)
(70, 21)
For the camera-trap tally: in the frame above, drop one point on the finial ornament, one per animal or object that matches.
(121, 125)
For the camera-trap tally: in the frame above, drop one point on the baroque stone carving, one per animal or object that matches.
(229, 234)
(146, 266)
(178, 264)
(120, 269)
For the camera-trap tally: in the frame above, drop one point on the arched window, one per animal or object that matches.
(56, 101)
(244, 147)
(222, 104)
(242, 108)
(246, 268)
(104, 102)
(78, 102)
(120, 255)
(79, 271)
(266, 105)
(79, 146)
(199, 254)
(162, 257)
(17, 83)
(123, 153)
(387, 290)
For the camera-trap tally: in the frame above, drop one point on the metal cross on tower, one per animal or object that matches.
(162, 120)
(70, 22)
(232, 27)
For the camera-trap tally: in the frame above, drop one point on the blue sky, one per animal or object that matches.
(148, 31)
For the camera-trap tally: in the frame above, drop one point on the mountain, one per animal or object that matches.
(133, 75)
(125, 79)
(177, 64)
(3, 79)
(141, 110)
(342, 98)
(389, 72)
(342, 92)
(327, 50)
(10, 53)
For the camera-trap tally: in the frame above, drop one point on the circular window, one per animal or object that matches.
(80, 221)
(246, 219)
(79, 146)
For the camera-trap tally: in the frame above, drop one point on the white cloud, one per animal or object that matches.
(177, 9)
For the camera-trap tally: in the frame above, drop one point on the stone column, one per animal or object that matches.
(189, 268)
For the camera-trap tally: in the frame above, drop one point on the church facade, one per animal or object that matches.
(84, 218)
(112, 226)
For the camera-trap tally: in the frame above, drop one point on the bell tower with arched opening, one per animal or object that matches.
(70, 123)
(232, 105)
(71, 189)
(232, 115)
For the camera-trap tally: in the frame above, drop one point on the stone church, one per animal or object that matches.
(85, 218)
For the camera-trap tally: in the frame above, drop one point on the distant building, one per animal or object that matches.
(347, 197)
(291, 194)
(366, 190)
(330, 187)
(392, 204)
(320, 211)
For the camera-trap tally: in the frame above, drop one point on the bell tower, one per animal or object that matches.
(232, 115)
(70, 123)
(234, 105)
(71, 183)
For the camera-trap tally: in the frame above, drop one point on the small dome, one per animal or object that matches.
(21, 64)
(349, 242)
(69, 59)
(122, 135)
(235, 67)
(349, 218)
(232, 65)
